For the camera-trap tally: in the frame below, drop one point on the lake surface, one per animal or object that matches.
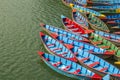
(19, 38)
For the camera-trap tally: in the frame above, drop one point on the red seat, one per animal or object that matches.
(67, 68)
(50, 44)
(73, 59)
(56, 49)
(62, 54)
(103, 69)
(94, 64)
(47, 59)
(77, 71)
(56, 64)
(84, 59)
(112, 52)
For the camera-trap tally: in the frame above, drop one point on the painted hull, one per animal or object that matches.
(93, 59)
(95, 39)
(70, 72)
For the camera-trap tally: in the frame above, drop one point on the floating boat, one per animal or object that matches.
(62, 32)
(115, 38)
(94, 38)
(69, 68)
(112, 2)
(99, 8)
(90, 61)
(57, 48)
(83, 2)
(79, 18)
(64, 38)
(114, 22)
(86, 10)
(95, 23)
(111, 17)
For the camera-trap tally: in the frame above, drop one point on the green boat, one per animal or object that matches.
(96, 23)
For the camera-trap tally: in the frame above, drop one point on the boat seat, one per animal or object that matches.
(76, 53)
(105, 47)
(110, 52)
(57, 49)
(91, 51)
(70, 26)
(96, 42)
(81, 47)
(73, 59)
(108, 37)
(74, 29)
(47, 59)
(117, 75)
(67, 68)
(84, 59)
(103, 69)
(77, 71)
(50, 45)
(94, 64)
(62, 54)
(56, 64)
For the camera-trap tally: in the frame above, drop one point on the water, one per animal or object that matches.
(19, 38)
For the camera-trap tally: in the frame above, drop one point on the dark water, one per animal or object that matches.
(19, 38)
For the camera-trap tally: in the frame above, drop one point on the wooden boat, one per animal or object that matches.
(114, 22)
(95, 39)
(69, 68)
(79, 18)
(113, 2)
(71, 25)
(116, 11)
(62, 32)
(83, 2)
(95, 23)
(99, 8)
(65, 38)
(90, 61)
(115, 38)
(111, 17)
(86, 10)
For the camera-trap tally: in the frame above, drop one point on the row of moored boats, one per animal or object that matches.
(78, 51)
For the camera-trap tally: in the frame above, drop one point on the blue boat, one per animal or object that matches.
(83, 45)
(86, 59)
(79, 18)
(113, 7)
(86, 10)
(69, 68)
(94, 22)
(113, 50)
(111, 17)
(83, 2)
